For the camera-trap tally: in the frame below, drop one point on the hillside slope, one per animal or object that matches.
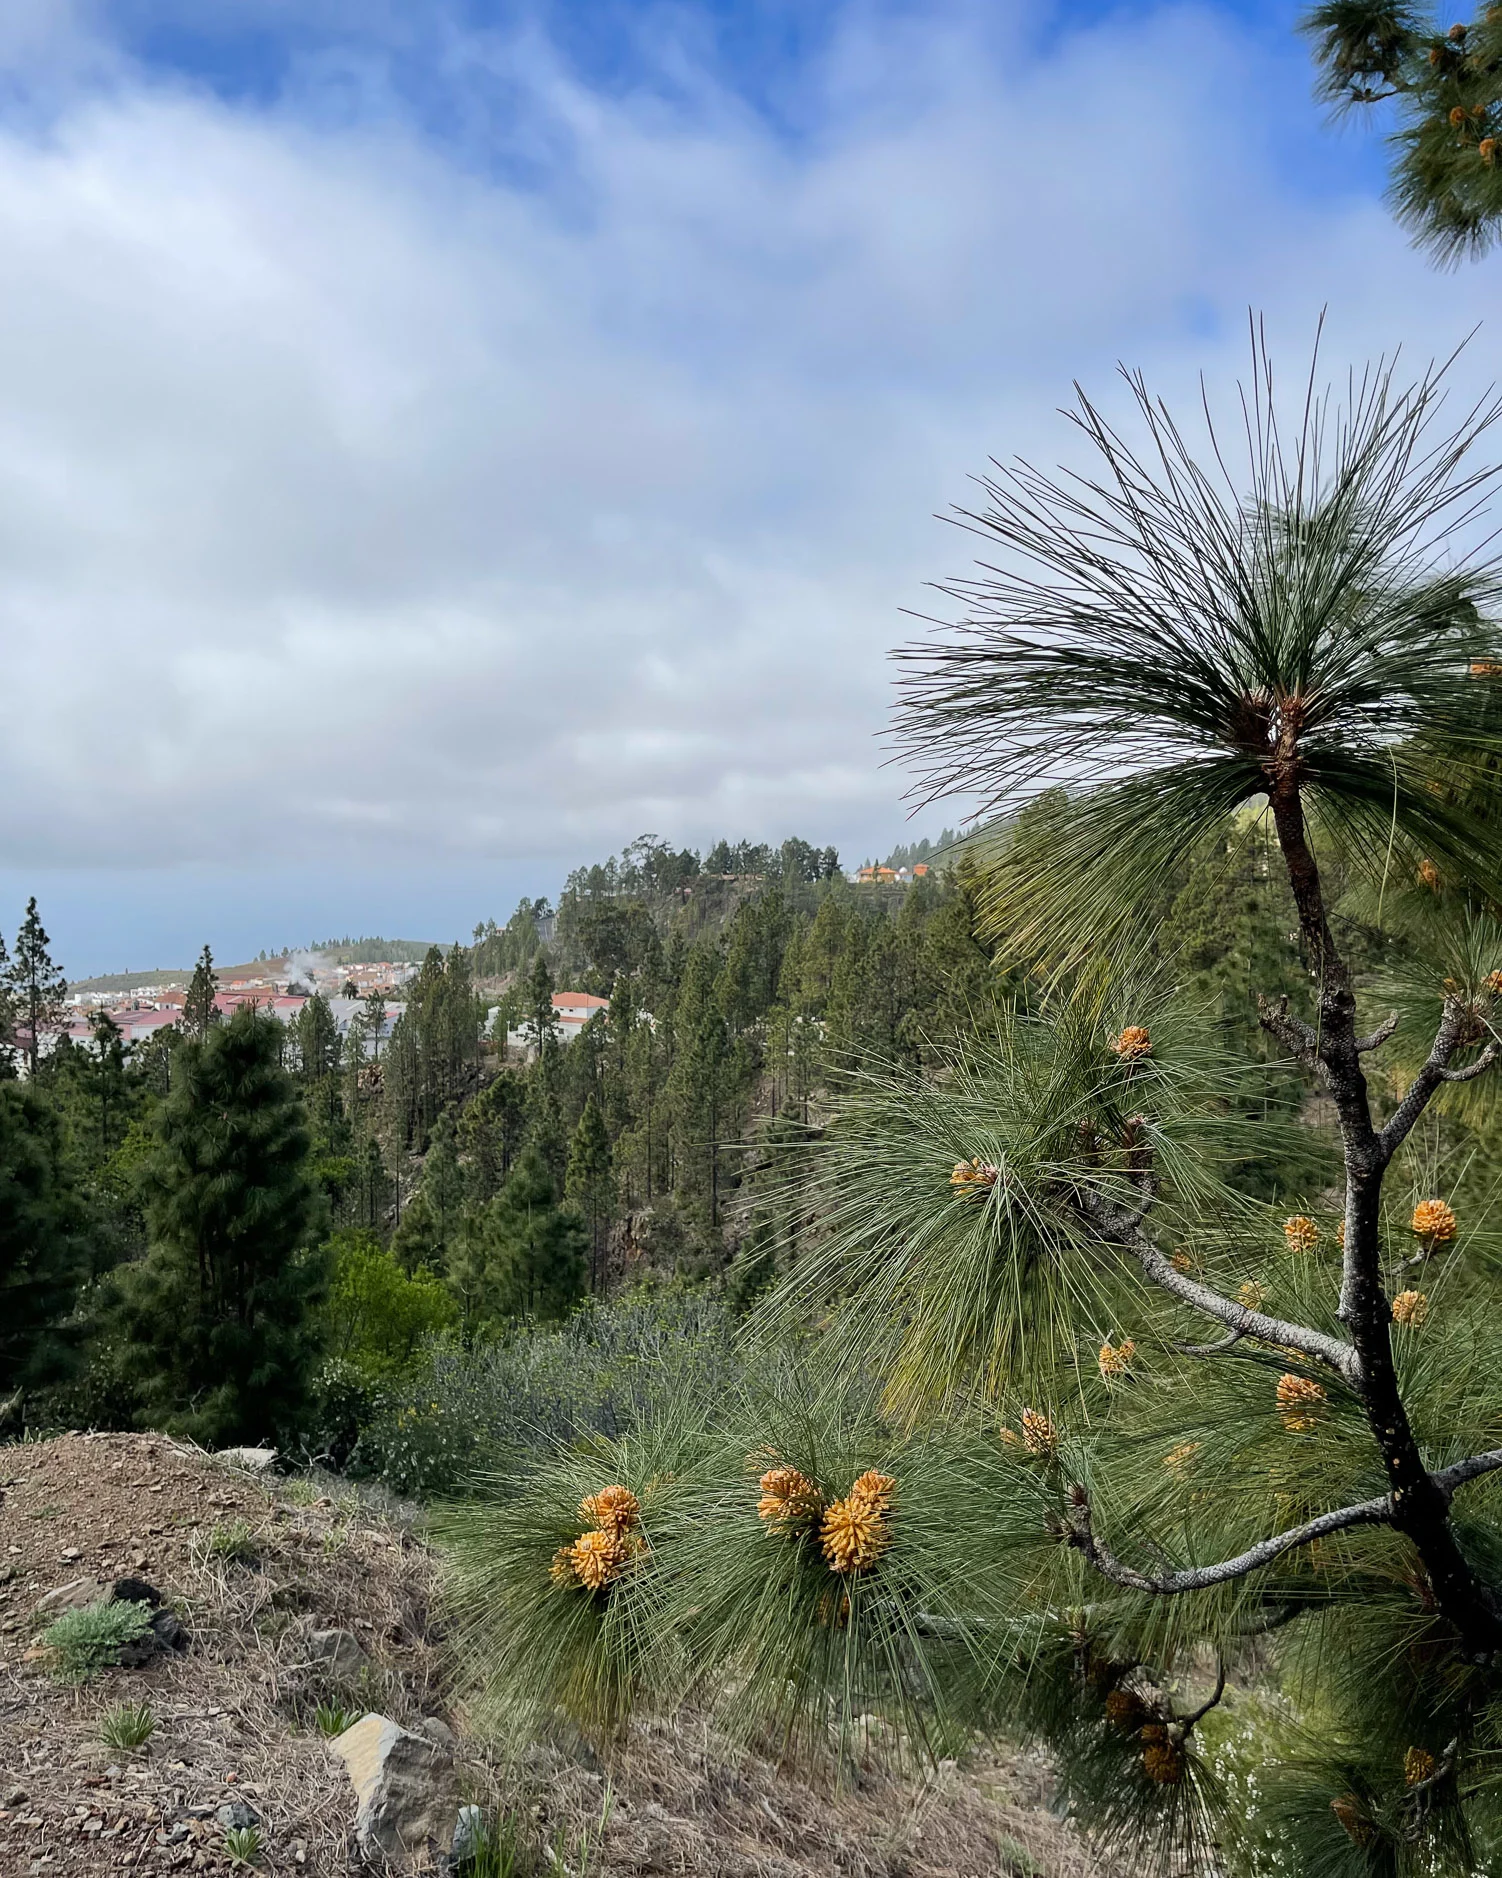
(260, 1572)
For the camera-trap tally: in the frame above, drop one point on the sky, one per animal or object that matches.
(442, 440)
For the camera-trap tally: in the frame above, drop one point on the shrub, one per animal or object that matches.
(86, 1641)
(127, 1726)
(595, 1376)
(377, 1315)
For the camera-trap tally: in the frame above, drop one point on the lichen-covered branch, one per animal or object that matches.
(1080, 1533)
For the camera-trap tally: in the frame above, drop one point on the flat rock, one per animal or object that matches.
(75, 1595)
(253, 1460)
(405, 1790)
(341, 1650)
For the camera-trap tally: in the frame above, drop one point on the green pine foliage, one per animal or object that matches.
(218, 1314)
(44, 1256)
(1446, 183)
(523, 1255)
(1101, 1407)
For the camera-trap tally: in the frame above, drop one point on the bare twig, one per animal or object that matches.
(1454, 1028)
(1375, 1039)
(1187, 1722)
(1218, 1348)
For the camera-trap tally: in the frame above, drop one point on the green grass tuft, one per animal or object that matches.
(86, 1641)
(242, 1845)
(129, 1725)
(233, 1543)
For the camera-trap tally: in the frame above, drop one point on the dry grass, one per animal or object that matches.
(237, 1717)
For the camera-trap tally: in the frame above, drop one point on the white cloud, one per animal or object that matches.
(362, 504)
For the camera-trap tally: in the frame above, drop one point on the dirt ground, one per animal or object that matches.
(253, 1566)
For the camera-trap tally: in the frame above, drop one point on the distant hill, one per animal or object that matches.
(128, 981)
(375, 951)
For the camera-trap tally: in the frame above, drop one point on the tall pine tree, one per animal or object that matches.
(218, 1316)
(198, 1009)
(38, 989)
(591, 1183)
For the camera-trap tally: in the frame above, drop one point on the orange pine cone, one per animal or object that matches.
(1435, 1221)
(1418, 1764)
(1410, 1308)
(1039, 1436)
(1301, 1233)
(1429, 876)
(562, 1571)
(788, 1498)
(974, 1173)
(1116, 1358)
(1134, 1043)
(1297, 1396)
(1355, 1824)
(613, 1509)
(599, 1558)
(1163, 1763)
(874, 1491)
(853, 1534)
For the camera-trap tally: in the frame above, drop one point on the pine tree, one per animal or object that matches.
(521, 1256)
(219, 1314)
(1446, 181)
(1077, 1440)
(199, 1009)
(432, 1217)
(318, 1040)
(591, 1184)
(43, 1249)
(37, 988)
(491, 1129)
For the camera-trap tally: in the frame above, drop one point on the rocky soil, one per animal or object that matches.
(294, 1598)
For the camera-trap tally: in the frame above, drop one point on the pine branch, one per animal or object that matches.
(1299, 1039)
(1436, 1071)
(1447, 1479)
(1376, 1039)
(1124, 1228)
(1081, 1535)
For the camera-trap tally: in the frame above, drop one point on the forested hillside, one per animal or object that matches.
(442, 1183)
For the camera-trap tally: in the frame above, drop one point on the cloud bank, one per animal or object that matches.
(473, 486)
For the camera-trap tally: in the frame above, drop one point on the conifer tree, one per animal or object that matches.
(37, 988)
(1446, 79)
(591, 1183)
(318, 1040)
(523, 1255)
(199, 1009)
(1092, 1444)
(432, 1217)
(43, 1249)
(491, 1130)
(219, 1315)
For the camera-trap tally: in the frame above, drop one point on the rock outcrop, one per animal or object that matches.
(405, 1790)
